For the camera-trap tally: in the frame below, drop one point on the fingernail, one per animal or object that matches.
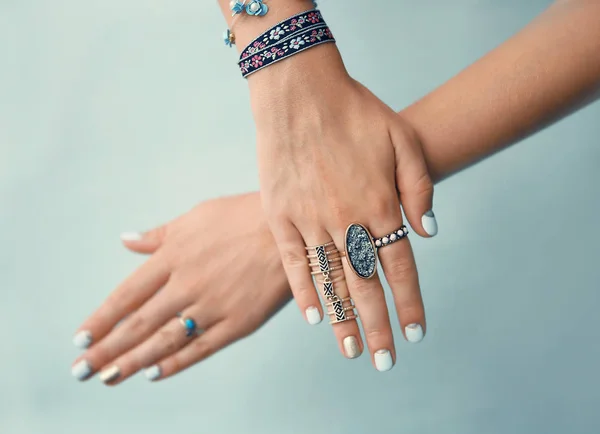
(429, 223)
(383, 360)
(82, 339)
(110, 374)
(131, 236)
(414, 333)
(81, 370)
(351, 347)
(313, 316)
(152, 373)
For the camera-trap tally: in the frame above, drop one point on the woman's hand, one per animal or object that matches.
(331, 154)
(217, 264)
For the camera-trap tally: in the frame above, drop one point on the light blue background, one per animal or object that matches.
(116, 115)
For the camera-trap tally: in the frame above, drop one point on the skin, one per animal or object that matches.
(512, 92)
(311, 152)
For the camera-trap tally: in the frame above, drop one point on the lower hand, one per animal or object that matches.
(217, 264)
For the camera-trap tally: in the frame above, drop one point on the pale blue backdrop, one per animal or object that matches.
(117, 115)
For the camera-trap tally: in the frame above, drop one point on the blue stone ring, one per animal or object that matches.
(189, 324)
(361, 248)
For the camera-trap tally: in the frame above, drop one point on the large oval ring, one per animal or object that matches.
(360, 251)
(361, 248)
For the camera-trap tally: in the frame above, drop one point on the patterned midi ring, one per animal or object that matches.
(188, 324)
(362, 248)
(323, 260)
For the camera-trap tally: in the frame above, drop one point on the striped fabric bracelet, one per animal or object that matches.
(291, 36)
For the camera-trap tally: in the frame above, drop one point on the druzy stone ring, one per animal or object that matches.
(361, 248)
(188, 324)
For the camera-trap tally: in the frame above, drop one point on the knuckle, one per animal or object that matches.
(137, 324)
(169, 341)
(423, 185)
(382, 208)
(338, 213)
(399, 270)
(173, 365)
(202, 348)
(292, 257)
(377, 334)
(99, 355)
(303, 291)
(362, 289)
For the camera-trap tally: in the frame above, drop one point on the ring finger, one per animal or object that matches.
(169, 339)
(367, 292)
(133, 330)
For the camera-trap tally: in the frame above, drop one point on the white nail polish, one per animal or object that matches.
(110, 374)
(429, 223)
(131, 236)
(414, 333)
(82, 339)
(313, 316)
(383, 360)
(153, 372)
(351, 347)
(81, 370)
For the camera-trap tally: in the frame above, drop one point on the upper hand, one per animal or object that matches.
(330, 154)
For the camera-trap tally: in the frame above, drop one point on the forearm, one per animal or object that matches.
(546, 71)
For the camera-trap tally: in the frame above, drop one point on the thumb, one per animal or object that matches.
(412, 178)
(144, 242)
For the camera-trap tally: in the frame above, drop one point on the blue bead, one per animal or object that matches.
(263, 10)
(190, 324)
(227, 37)
(237, 8)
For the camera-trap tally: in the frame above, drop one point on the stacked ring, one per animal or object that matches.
(327, 254)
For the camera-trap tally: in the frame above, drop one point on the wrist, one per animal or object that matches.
(310, 76)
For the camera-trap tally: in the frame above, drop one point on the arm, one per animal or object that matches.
(547, 71)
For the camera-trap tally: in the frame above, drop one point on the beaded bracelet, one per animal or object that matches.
(291, 36)
(254, 7)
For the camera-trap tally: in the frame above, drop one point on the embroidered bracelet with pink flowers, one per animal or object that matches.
(289, 37)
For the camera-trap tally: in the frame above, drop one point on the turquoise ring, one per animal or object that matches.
(189, 324)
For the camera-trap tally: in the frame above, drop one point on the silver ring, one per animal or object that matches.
(388, 239)
(190, 326)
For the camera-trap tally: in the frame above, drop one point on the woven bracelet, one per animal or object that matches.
(289, 37)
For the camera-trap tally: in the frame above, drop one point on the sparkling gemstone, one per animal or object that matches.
(393, 237)
(405, 230)
(399, 232)
(378, 243)
(360, 251)
(385, 240)
(190, 324)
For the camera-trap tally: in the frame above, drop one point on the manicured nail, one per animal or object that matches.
(82, 339)
(152, 373)
(313, 316)
(110, 374)
(351, 347)
(429, 223)
(414, 333)
(383, 360)
(132, 236)
(81, 370)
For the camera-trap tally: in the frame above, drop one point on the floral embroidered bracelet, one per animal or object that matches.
(289, 37)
